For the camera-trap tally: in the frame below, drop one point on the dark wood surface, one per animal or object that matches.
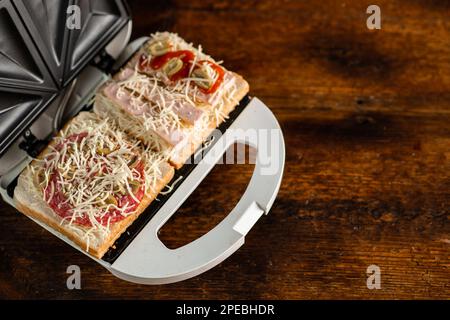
(366, 119)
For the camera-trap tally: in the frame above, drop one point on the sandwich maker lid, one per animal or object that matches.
(40, 55)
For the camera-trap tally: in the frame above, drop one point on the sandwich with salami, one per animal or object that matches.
(91, 182)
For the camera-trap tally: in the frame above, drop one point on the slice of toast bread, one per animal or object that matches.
(29, 199)
(217, 108)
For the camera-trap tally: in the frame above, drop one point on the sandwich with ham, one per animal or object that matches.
(171, 96)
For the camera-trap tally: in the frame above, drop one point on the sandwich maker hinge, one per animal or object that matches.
(104, 61)
(32, 145)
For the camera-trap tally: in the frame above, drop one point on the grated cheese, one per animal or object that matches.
(87, 176)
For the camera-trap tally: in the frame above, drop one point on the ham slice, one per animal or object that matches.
(182, 108)
(213, 98)
(124, 99)
(137, 107)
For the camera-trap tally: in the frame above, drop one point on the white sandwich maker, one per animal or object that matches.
(49, 73)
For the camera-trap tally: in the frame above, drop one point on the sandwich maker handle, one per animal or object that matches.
(148, 261)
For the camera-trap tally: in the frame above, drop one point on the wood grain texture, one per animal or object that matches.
(366, 119)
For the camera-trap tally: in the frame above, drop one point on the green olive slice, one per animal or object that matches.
(204, 80)
(172, 66)
(134, 162)
(103, 151)
(159, 48)
(135, 185)
(40, 177)
(111, 200)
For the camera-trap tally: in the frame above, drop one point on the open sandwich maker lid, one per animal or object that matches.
(41, 52)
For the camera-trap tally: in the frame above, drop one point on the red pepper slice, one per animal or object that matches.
(221, 75)
(158, 62)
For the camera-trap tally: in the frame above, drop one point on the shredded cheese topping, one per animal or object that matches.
(156, 109)
(163, 113)
(89, 172)
(171, 187)
(217, 101)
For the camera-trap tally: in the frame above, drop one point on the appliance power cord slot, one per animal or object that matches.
(32, 145)
(104, 61)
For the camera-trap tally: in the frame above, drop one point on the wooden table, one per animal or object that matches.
(366, 119)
